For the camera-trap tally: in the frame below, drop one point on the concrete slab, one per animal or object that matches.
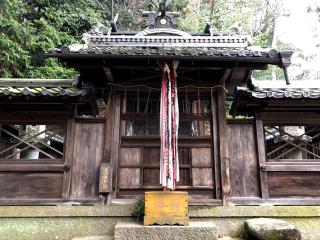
(195, 230)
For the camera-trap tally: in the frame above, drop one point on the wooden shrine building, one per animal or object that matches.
(95, 140)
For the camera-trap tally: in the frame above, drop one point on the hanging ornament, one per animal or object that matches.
(169, 124)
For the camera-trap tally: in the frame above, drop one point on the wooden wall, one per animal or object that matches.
(294, 184)
(244, 172)
(256, 181)
(85, 150)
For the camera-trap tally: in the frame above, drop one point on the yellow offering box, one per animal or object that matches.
(166, 208)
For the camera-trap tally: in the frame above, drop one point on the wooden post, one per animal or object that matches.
(115, 140)
(262, 157)
(224, 156)
(215, 140)
(108, 141)
(68, 156)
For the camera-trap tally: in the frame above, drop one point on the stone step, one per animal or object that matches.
(195, 230)
(93, 238)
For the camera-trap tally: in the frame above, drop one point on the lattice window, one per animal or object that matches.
(31, 141)
(141, 115)
(292, 142)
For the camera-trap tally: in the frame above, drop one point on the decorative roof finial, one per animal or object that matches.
(161, 18)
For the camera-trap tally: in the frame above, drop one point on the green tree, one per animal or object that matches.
(29, 28)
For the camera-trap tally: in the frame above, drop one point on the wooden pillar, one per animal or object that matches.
(215, 141)
(112, 139)
(223, 147)
(262, 157)
(108, 142)
(68, 156)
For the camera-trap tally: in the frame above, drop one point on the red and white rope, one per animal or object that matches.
(169, 124)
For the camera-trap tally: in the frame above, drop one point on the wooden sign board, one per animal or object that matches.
(166, 208)
(105, 178)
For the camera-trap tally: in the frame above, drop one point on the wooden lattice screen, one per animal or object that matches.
(31, 141)
(292, 142)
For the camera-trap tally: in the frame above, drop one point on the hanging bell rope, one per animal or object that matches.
(147, 104)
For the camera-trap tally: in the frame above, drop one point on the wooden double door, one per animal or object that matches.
(139, 152)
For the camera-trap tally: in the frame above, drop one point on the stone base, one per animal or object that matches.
(267, 229)
(195, 230)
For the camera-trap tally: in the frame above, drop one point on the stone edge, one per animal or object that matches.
(126, 211)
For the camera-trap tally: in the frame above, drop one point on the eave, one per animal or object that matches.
(42, 94)
(276, 99)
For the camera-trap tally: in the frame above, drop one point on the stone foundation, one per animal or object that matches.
(66, 222)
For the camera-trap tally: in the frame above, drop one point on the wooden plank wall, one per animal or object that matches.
(28, 185)
(244, 170)
(87, 156)
(294, 184)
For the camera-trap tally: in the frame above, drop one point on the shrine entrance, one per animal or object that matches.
(139, 152)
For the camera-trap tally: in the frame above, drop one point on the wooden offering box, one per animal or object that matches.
(166, 208)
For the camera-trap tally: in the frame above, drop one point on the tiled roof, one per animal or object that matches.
(247, 100)
(168, 43)
(279, 90)
(39, 87)
(280, 93)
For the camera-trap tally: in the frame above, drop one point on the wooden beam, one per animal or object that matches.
(108, 74)
(226, 75)
(262, 157)
(145, 61)
(224, 155)
(290, 118)
(27, 167)
(34, 117)
(275, 201)
(49, 202)
(292, 168)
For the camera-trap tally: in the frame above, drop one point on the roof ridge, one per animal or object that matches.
(35, 82)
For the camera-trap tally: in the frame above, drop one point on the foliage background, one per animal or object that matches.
(29, 28)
